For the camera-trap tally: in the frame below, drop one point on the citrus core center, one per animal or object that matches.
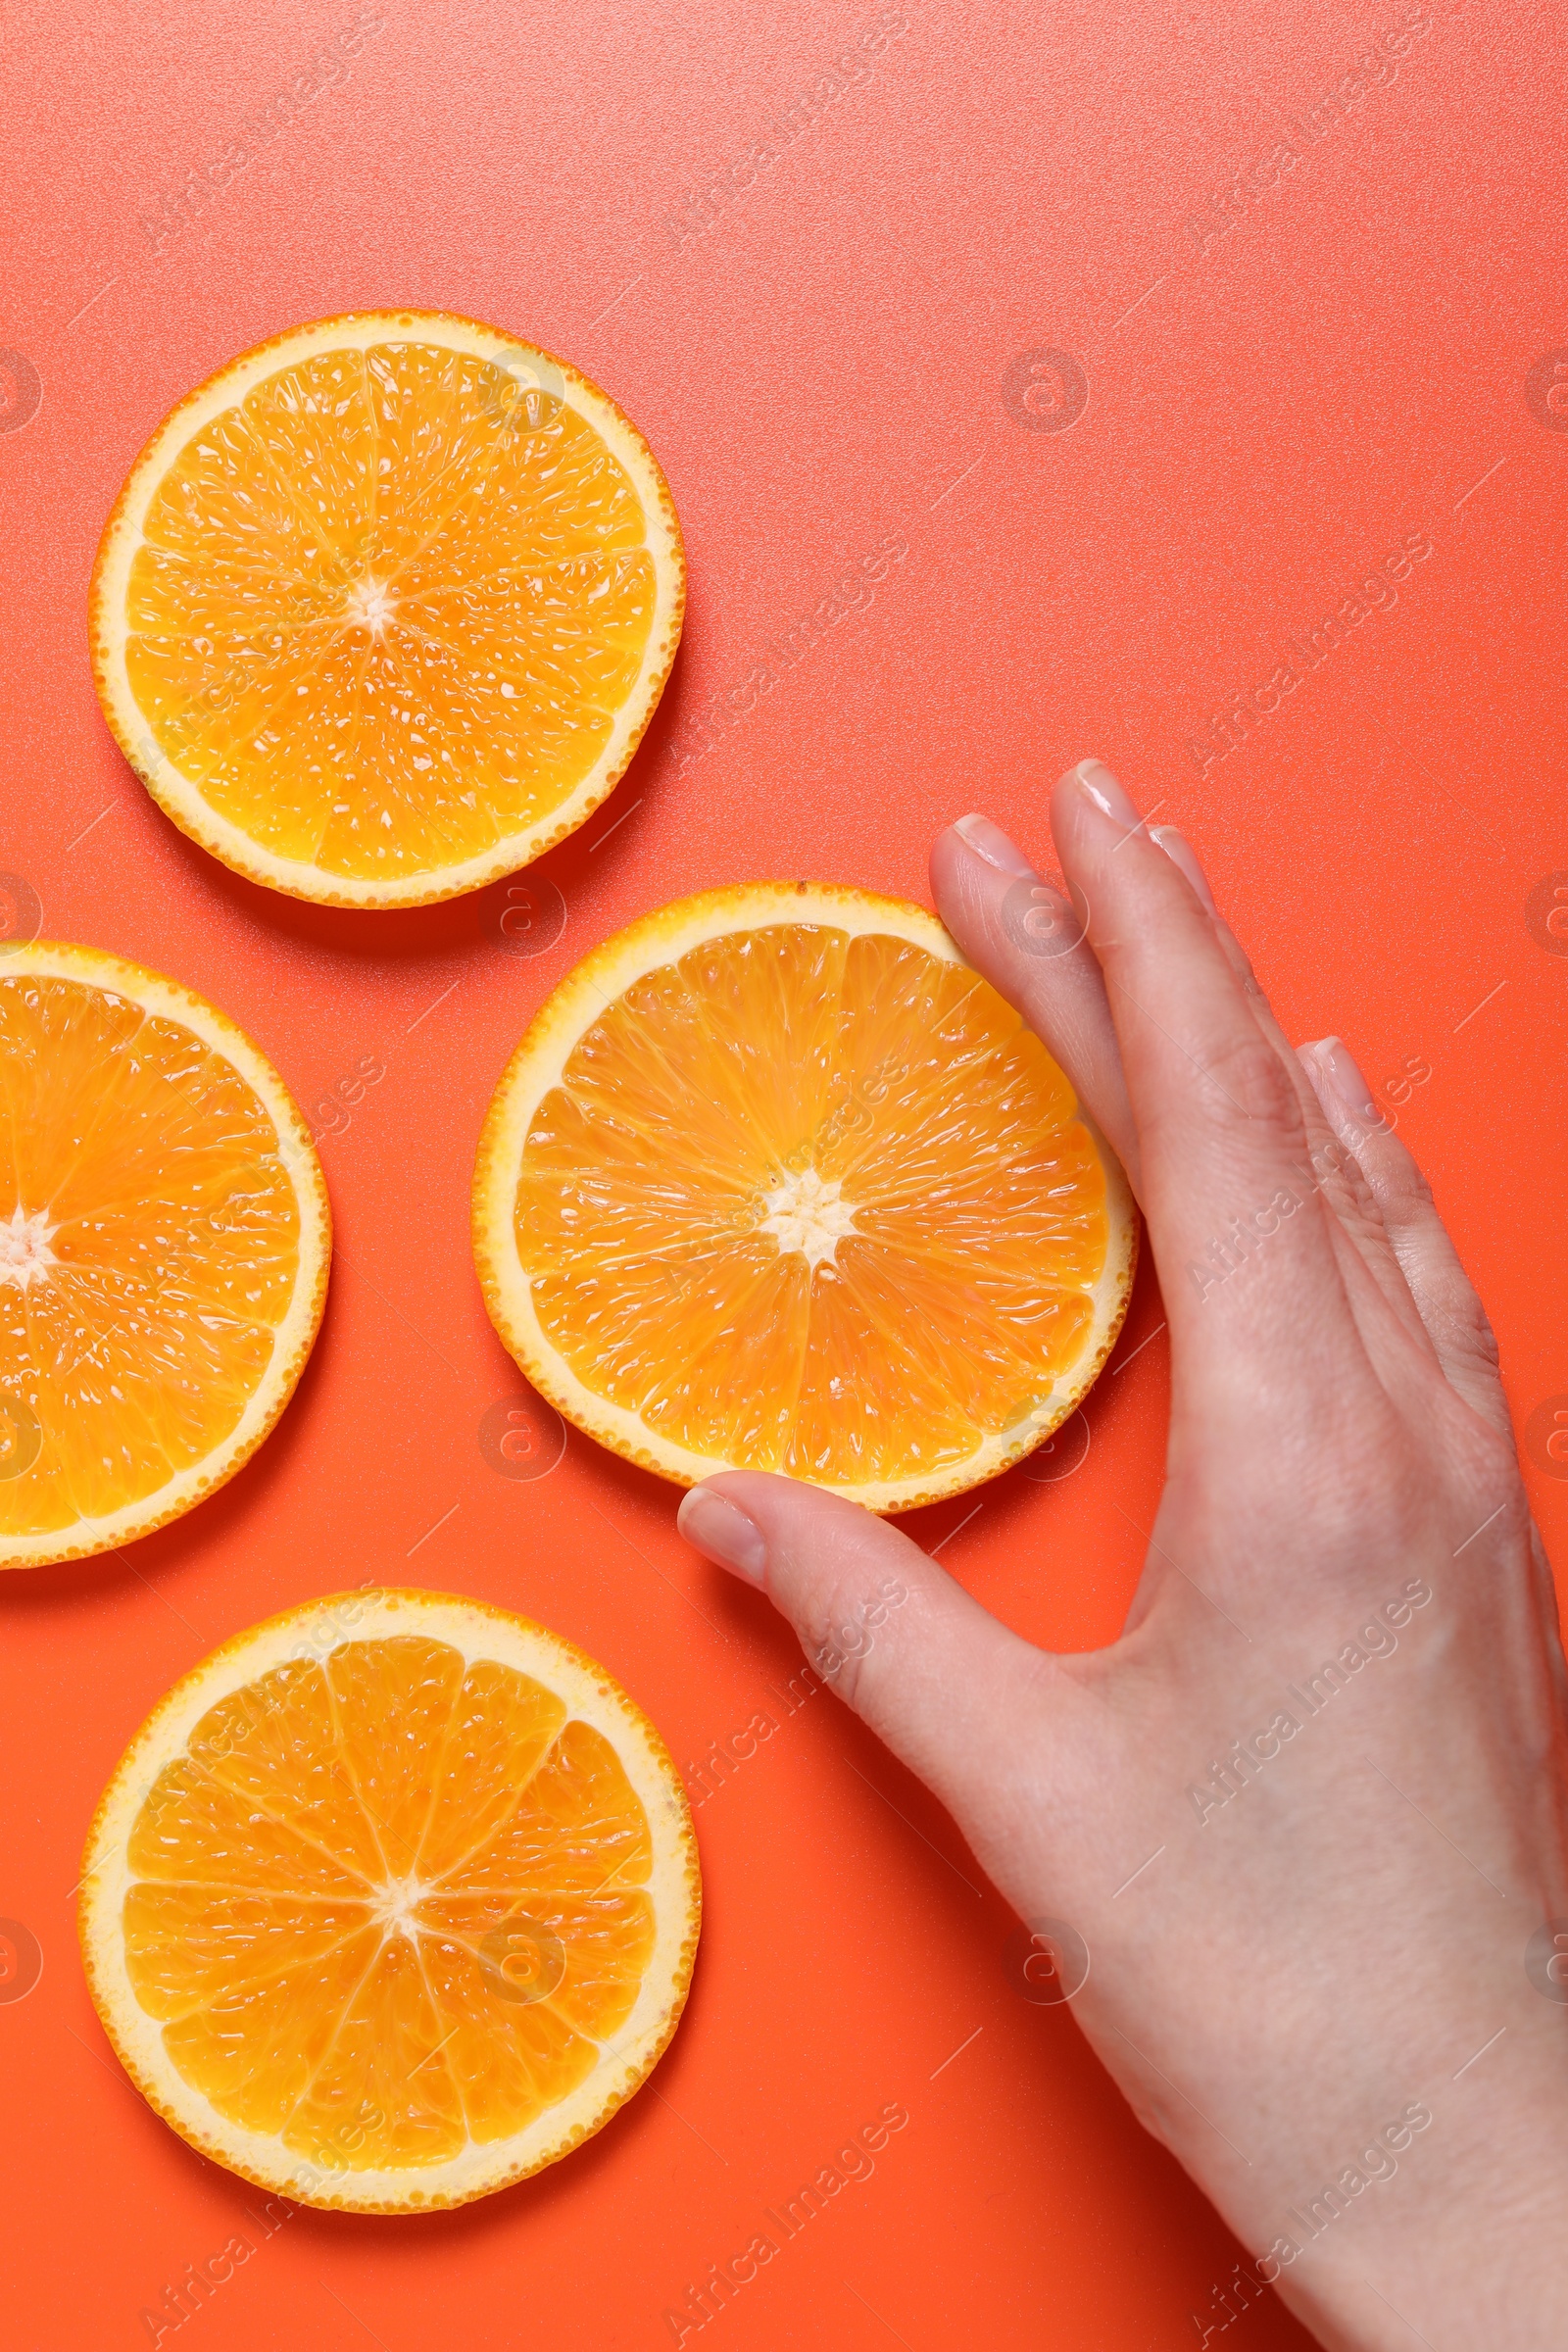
(24, 1253)
(806, 1214)
(397, 1902)
(370, 606)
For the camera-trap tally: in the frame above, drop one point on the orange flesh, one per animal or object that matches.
(149, 1243)
(944, 1315)
(389, 1905)
(388, 609)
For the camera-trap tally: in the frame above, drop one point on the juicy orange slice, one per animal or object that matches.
(776, 1181)
(164, 1247)
(391, 1901)
(385, 607)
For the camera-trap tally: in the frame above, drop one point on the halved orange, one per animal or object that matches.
(385, 605)
(393, 1900)
(164, 1248)
(776, 1181)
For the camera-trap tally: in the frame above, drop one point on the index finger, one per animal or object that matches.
(1225, 1163)
(1031, 944)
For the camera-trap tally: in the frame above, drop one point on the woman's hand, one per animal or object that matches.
(1308, 1814)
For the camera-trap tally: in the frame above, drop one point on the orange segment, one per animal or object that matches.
(580, 1825)
(503, 1723)
(512, 2061)
(255, 2048)
(275, 1746)
(393, 1925)
(187, 1946)
(383, 2092)
(777, 1181)
(195, 1831)
(164, 1243)
(385, 607)
(587, 1953)
(391, 1704)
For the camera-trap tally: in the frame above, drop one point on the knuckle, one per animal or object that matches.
(1476, 1335)
(1252, 1087)
(842, 1675)
(827, 1630)
(1482, 1471)
(1349, 1173)
(1363, 1225)
(844, 1622)
(1406, 1193)
(1416, 1192)
(1349, 1194)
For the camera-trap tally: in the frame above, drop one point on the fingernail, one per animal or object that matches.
(1104, 791)
(1179, 849)
(725, 1533)
(1348, 1082)
(988, 841)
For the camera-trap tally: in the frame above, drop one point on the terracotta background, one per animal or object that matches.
(1290, 367)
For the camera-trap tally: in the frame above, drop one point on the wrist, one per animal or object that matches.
(1463, 2247)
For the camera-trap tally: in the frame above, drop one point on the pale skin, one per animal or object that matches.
(1327, 1949)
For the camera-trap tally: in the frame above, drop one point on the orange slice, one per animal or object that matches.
(391, 1901)
(385, 607)
(164, 1247)
(776, 1181)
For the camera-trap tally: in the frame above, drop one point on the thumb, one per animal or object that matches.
(956, 1696)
